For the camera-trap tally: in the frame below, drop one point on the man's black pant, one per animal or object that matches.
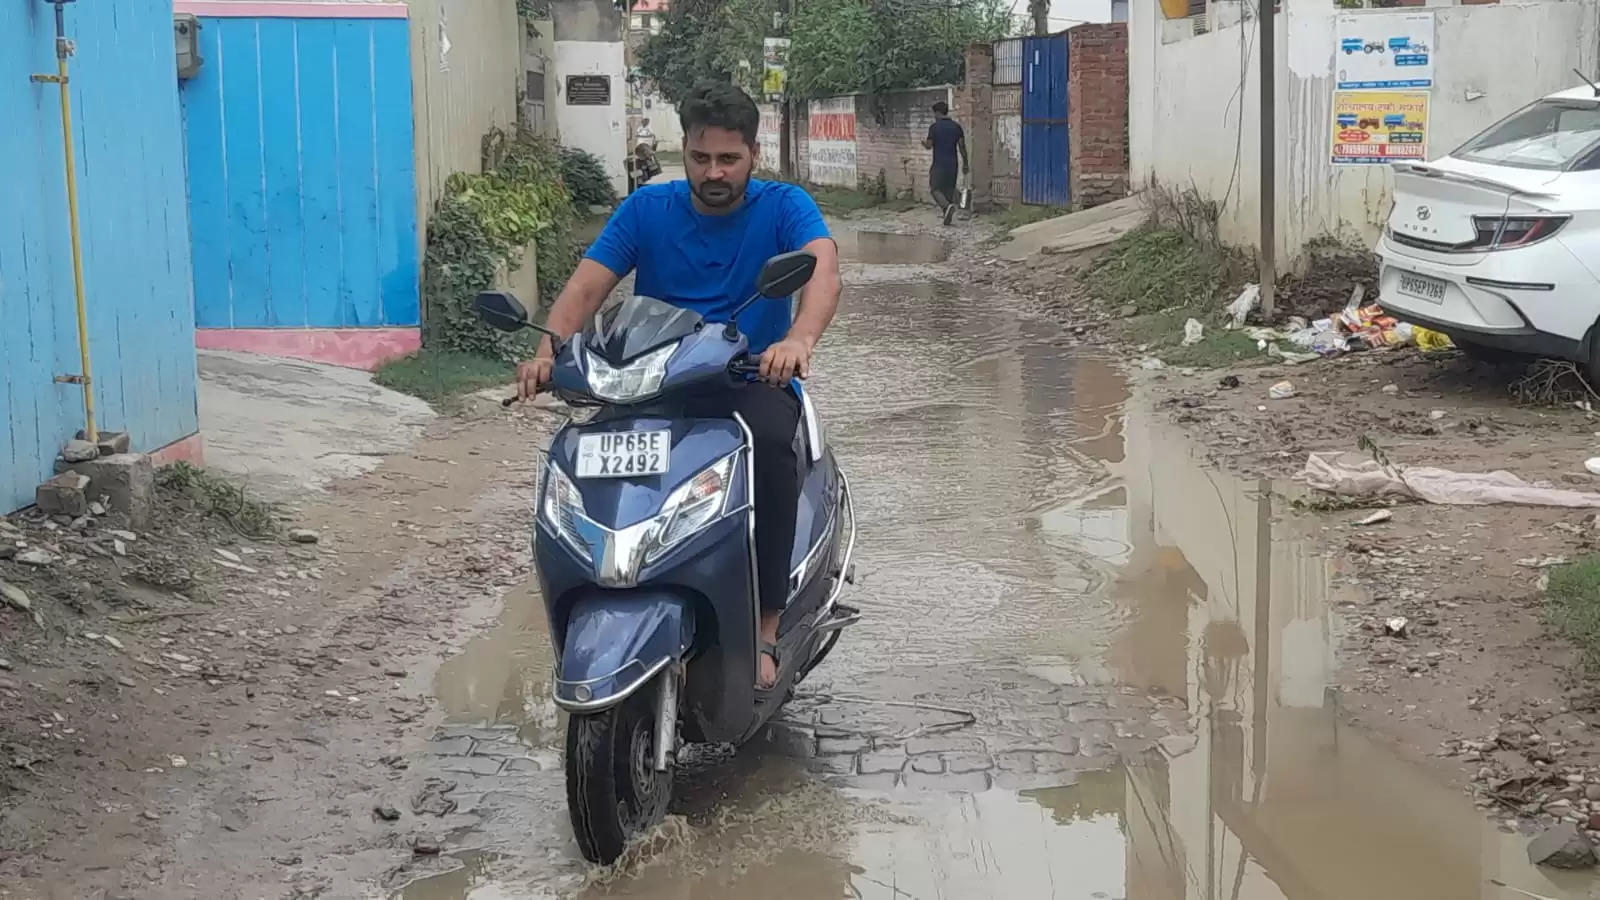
(942, 184)
(773, 416)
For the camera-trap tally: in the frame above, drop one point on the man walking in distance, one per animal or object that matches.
(946, 139)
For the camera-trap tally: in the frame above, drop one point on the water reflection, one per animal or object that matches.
(503, 675)
(1273, 797)
(889, 248)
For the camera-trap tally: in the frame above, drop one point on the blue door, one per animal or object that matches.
(302, 176)
(1044, 121)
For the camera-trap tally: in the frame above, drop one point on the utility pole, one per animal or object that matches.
(786, 115)
(1268, 118)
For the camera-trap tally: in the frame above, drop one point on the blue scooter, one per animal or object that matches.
(645, 550)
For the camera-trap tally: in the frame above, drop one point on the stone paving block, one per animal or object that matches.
(1019, 761)
(928, 764)
(973, 782)
(1047, 762)
(499, 749)
(829, 746)
(522, 766)
(882, 781)
(790, 739)
(836, 764)
(968, 762)
(881, 761)
(944, 743)
(451, 746)
(472, 765)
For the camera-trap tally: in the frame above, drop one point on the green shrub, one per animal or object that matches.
(480, 227)
(586, 179)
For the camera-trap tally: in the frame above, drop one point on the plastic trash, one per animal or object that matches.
(1290, 357)
(1283, 390)
(1193, 332)
(1593, 465)
(1379, 517)
(1240, 308)
(1353, 475)
(1430, 341)
(1396, 627)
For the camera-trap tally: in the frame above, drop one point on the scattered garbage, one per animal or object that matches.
(1290, 357)
(1396, 626)
(1283, 390)
(1193, 332)
(1430, 341)
(1379, 517)
(1240, 308)
(1352, 475)
(1593, 465)
(1391, 389)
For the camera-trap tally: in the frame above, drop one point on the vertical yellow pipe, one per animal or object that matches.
(63, 50)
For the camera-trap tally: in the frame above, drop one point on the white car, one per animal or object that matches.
(1498, 244)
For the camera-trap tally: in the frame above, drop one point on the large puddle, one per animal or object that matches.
(1146, 653)
(890, 248)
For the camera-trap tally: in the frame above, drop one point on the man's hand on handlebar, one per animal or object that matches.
(788, 358)
(533, 375)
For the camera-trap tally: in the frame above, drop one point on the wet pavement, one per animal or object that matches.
(1090, 667)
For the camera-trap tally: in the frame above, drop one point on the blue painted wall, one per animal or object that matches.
(135, 236)
(302, 179)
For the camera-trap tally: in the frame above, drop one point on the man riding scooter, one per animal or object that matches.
(700, 244)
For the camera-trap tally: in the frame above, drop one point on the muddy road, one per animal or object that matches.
(1089, 667)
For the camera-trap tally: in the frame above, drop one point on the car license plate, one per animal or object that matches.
(1422, 287)
(624, 454)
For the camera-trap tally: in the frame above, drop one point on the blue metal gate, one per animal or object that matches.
(1044, 121)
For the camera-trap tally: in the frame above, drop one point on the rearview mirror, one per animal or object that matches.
(786, 273)
(502, 310)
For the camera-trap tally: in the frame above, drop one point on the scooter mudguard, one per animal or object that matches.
(616, 643)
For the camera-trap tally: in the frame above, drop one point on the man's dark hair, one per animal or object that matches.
(942, 108)
(720, 104)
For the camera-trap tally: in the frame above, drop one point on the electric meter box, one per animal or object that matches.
(186, 37)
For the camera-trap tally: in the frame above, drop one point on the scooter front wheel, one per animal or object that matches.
(614, 792)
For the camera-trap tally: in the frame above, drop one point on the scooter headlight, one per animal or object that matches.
(695, 505)
(634, 381)
(562, 508)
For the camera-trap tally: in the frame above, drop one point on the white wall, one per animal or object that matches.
(601, 130)
(1189, 94)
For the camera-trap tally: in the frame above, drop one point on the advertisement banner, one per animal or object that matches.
(774, 67)
(768, 138)
(831, 136)
(1379, 127)
(1390, 50)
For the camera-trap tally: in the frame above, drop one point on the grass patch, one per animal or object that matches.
(217, 496)
(1162, 335)
(1153, 269)
(440, 376)
(1574, 606)
(1017, 216)
(842, 201)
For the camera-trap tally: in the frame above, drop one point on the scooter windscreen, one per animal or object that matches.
(638, 325)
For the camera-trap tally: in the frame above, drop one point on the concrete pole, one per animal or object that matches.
(1266, 19)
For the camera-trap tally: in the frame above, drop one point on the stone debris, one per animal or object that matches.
(79, 451)
(304, 536)
(1563, 846)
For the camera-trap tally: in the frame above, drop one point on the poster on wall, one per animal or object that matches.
(768, 138)
(831, 138)
(1379, 127)
(774, 67)
(1390, 50)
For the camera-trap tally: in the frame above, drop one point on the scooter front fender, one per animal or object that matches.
(617, 641)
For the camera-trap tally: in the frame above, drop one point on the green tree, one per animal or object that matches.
(839, 46)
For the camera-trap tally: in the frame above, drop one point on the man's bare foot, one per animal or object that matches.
(768, 661)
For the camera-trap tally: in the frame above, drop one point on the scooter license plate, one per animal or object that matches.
(624, 454)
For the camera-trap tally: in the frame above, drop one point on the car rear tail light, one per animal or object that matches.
(1510, 232)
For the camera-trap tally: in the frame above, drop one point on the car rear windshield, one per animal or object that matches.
(1550, 134)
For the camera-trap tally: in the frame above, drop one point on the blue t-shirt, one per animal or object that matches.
(710, 263)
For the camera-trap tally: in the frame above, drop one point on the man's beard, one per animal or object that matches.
(720, 194)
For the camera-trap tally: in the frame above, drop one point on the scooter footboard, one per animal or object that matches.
(617, 641)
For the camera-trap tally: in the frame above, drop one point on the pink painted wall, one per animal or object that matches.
(352, 348)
